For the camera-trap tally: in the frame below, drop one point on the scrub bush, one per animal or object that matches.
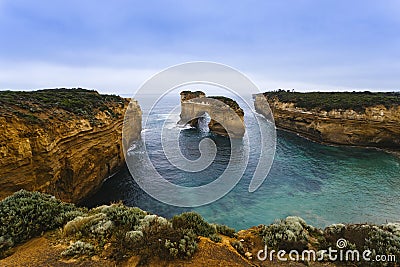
(290, 233)
(238, 246)
(96, 224)
(193, 221)
(225, 230)
(383, 242)
(216, 238)
(78, 248)
(27, 214)
(380, 240)
(156, 236)
(121, 215)
(184, 248)
(357, 101)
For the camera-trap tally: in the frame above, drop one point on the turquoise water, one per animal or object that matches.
(323, 184)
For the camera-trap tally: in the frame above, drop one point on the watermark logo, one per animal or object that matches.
(341, 243)
(331, 254)
(191, 74)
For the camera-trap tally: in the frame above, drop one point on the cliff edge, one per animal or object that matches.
(358, 118)
(60, 141)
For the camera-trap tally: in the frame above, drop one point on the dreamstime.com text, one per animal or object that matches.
(330, 254)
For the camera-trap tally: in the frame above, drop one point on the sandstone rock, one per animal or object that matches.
(227, 118)
(377, 126)
(63, 154)
(248, 255)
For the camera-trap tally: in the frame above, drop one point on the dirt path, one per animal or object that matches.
(41, 252)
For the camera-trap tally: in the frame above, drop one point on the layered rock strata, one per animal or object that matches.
(226, 117)
(53, 146)
(375, 126)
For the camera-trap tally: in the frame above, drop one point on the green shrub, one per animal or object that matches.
(225, 230)
(383, 242)
(134, 236)
(215, 238)
(328, 101)
(27, 214)
(78, 248)
(392, 227)
(287, 234)
(75, 101)
(157, 236)
(193, 221)
(238, 246)
(121, 215)
(132, 230)
(67, 216)
(184, 248)
(335, 229)
(116, 223)
(96, 224)
(152, 220)
(380, 240)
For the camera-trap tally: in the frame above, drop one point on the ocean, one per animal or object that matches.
(320, 183)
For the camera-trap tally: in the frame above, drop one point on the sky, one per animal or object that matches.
(115, 46)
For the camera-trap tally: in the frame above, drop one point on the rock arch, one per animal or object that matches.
(226, 115)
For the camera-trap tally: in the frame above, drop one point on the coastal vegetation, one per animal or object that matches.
(230, 102)
(62, 141)
(366, 119)
(129, 230)
(76, 101)
(27, 214)
(118, 232)
(293, 233)
(328, 101)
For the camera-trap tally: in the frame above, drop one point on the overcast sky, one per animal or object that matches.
(114, 46)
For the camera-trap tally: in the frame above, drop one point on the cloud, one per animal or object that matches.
(36, 75)
(325, 44)
(126, 80)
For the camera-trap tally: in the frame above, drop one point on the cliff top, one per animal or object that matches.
(230, 102)
(328, 101)
(34, 106)
(187, 95)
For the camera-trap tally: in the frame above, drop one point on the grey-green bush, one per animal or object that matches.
(290, 233)
(238, 246)
(184, 248)
(27, 214)
(383, 242)
(78, 248)
(225, 230)
(215, 238)
(193, 221)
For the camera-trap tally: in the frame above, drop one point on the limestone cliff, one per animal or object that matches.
(369, 125)
(226, 115)
(63, 142)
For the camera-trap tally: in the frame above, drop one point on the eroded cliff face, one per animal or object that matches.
(58, 151)
(227, 118)
(377, 126)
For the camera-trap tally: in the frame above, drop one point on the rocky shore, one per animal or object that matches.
(328, 118)
(62, 141)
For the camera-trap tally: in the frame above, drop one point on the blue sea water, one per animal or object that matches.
(322, 184)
